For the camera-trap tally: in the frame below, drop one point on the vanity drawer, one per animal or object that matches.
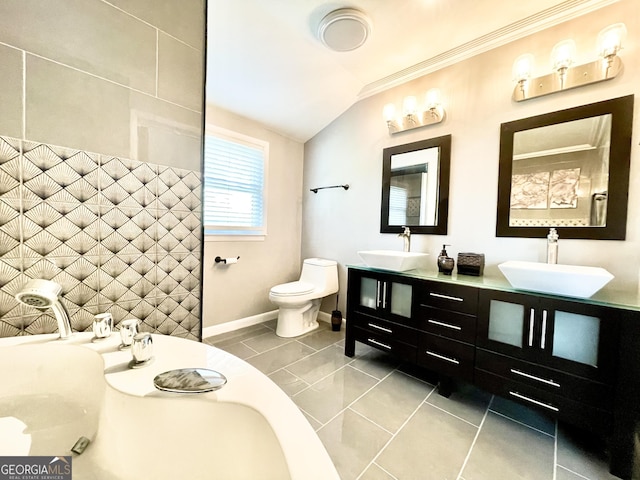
(445, 323)
(546, 379)
(447, 296)
(385, 328)
(386, 343)
(563, 408)
(446, 356)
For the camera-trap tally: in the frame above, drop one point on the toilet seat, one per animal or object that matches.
(292, 289)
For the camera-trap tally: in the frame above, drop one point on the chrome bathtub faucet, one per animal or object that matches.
(43, 294)
(141, 350)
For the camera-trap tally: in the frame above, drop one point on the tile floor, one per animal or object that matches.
(381, 420)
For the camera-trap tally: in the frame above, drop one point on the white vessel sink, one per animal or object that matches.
(570, 280)
(393, 260)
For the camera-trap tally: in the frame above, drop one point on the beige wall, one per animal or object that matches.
(477, 96)
(241, 290)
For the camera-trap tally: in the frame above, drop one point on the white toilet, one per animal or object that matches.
(299, 301)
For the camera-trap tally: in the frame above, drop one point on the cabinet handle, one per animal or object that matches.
(384, 294)
(533, 377)
(544, 329)
(378, 294)
(380, 344)
(378, 327)
(536, 402)
(532, 324)
(442, 324)
(446, 297)
(442, 357)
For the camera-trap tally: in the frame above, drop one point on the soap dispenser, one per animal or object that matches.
(445, 262)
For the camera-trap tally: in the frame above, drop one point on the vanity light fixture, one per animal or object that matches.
(565, 75)
(412, 116)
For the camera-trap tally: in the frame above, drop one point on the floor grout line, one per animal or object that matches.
(384, 470)
(351, 406)
(523, 424)
(475, 438)
(362, 415)
(393, 436)
(572, 472)
(452, 415)
(252, 349)
(356, 399)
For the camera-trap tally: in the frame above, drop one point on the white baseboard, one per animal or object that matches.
(238, 324)
(253, 320)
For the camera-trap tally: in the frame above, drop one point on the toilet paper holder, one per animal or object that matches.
(219, 259)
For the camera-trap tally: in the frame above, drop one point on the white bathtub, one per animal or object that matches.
(54, 391)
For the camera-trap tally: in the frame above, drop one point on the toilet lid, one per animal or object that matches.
(292, 288)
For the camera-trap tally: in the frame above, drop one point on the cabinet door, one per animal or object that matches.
(506, 324)
(386, 295)
(570, 336)
(580, 338)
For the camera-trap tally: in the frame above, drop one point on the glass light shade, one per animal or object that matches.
(389, 112)
(563, 54)
(433, 98)
(409, 106)
(523, 67)
(610, 39)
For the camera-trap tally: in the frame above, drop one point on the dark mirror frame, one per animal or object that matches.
(444, 169)
(621, 110)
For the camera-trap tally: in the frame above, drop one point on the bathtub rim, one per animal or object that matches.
(306, 456)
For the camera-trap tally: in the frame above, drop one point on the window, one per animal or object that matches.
(234, 201)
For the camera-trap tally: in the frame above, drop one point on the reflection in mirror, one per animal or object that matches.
(561, 173)
(415, 186)
(567, 169)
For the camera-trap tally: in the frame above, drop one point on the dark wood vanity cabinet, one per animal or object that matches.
(552, 354)
(574, 360)
(381, 309)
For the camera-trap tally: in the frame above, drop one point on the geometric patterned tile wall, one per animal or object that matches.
(119, 235)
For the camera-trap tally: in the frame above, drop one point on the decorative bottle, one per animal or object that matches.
(552, 246)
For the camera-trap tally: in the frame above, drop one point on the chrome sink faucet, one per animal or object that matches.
(406, 235)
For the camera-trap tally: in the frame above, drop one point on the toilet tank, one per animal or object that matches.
(321, 273)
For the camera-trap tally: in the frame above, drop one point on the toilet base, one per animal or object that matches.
(296, 321)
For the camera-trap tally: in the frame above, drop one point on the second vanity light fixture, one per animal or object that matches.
(564, 75)
(412, 115)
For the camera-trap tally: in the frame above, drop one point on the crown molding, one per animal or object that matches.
(550, 17)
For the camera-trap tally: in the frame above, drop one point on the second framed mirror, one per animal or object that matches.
(415, 187)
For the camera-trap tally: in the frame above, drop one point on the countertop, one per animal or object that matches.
(607, 296)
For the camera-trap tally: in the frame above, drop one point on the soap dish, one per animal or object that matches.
(189, 380)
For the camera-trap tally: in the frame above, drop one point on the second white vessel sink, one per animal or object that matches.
(393, 260)
(570, 280)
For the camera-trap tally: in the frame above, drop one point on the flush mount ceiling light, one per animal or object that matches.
(344, 29)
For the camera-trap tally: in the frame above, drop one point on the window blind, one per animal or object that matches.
(234, 182)
(397, 206)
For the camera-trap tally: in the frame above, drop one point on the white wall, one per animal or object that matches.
(242, 290)
(477, 94)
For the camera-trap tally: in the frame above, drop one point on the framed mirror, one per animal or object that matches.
(415, 187)
(567, 169)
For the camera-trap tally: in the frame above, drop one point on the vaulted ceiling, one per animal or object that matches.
(265, 61)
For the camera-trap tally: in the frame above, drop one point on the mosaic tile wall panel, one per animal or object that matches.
(119, 235)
